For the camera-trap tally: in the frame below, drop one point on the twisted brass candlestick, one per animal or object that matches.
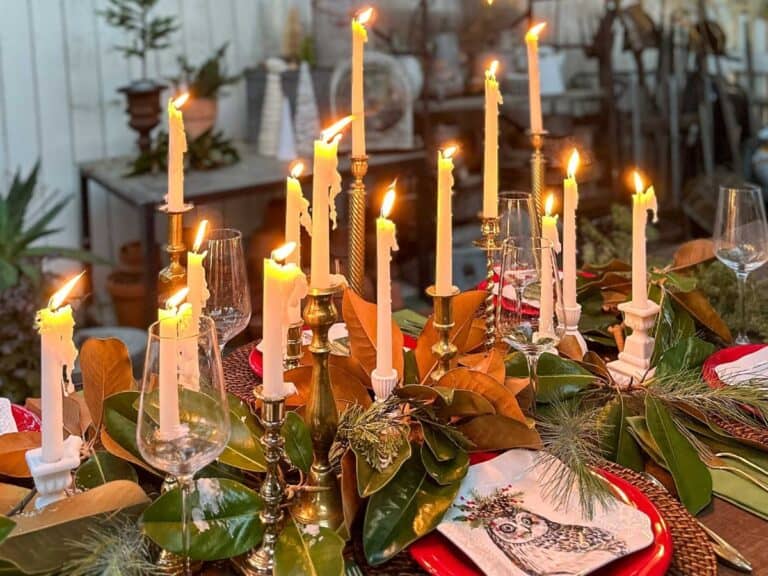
(173, 277)
(261, 561)
(359, 167)
(538, 172)
(442, 320)
(293, 350)
(490, 242)
(322, 503)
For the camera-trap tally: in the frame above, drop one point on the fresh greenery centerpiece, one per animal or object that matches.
(206, 80)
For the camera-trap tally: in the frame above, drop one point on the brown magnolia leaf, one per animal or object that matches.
(72, 416)
(116, 450)
(106, 367)
(466, 403)
(10, 496)
(693, 253)
(35, 406)
(612, 298)
(350, 499)
(346, 388)
(516, 385)
(697, 304)
(491, 363)
(476, 335)
(502, 399)
(465, 306)
(496, 432)
(593, 362)
(13, 448)
(569, 347)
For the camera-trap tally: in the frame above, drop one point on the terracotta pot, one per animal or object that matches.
(200, 116)
(144, 108)
(127, 291)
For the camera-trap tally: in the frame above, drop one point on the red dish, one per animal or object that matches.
(438, 556)
(26, 421)
(723, 357)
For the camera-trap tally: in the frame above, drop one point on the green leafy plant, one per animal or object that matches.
(609, 238)
(146, 32)
(208, 151)
(207, 79)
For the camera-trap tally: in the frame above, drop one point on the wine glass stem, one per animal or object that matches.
(741, 281)
(185, 483)
(533, 361)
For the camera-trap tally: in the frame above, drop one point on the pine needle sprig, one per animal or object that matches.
(571, 438)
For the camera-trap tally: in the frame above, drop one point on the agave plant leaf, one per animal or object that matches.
(19, 196)
(39, 228)
(9, 274)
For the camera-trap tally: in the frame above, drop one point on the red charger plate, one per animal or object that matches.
(723, 357)
(438, 556)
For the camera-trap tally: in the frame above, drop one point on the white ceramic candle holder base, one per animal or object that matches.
(571, 322)
(383, 385)
(634, 363)
(53, 478)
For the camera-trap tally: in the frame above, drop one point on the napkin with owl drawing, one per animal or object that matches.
(501, 520)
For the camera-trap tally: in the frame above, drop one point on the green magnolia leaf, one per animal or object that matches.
(441, 446)
(673, 323)
(101, 468)
(6, 527)
(638, 428)
(224, 520)
(431, 394)
(410, 368)
(692, 478)
(685, 355)
(370, 480)
(407, 508)
(120, 416)
(448, 472)
(560, 378)
(298, 443)
(308, 551)
(516, 365)
(618, 444)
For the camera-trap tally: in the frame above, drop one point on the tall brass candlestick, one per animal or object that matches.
(442, 320)
(538, 172)
(293, 349)
(322, 503)
(359, 167)
(490, 242)
(173, 277)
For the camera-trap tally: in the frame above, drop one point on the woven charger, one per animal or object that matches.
(693, 555)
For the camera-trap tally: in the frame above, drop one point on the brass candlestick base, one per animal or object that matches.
(442, 320)
(322, 503)
(359, 168)
(173, 277)
(261, 561)
(490, 242)
(538, 171)
(168, 563)
(293, 350)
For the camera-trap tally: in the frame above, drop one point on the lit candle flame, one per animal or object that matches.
(549, 205)
(364, 15)
(449, 152)
(489, 2)
(279, 255)
(332, 131)
(639, 185)
(573, 164)
(174, 301)
(200, 236)
(493, 68)
(181, 100)
(389, 200)
(297, 168)
(58, 298)
(533, 33)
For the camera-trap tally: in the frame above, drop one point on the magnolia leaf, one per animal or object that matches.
(673, 323)
(476, 337)
(350, 498)
(102, 468)
(495, 432)
(692, 478)
(442, 447)
(224, 520)
(308, 550)
(346, 388)
(491, 363)
(466, 403)
(360, 316)
(516, 385)
(638, 428)
(593, 362)
(496, 393)
(448, 472)
(106, 368)
(516, 365)
(410, 368)
(560, 378)
(465, 307)
(10, 496)
(6, 527)
(298, 443)
(429, 394)
(618, 444)
(693, 253)
(116, 450)
(570, 348)
(685, 355)
(71, 414)
(120, 416)
(697, 304)
(370, 480)
(407, 508)
(13, 449)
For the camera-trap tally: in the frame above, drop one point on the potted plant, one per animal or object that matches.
(146, 33)
(204, 84)
(23, 284)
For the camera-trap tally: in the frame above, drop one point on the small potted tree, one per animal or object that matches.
(146, 33)
(204, 84)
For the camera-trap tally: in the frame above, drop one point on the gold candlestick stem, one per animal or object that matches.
(442, 320)
(490, 242)
(173, 277)
(322, 503)
(359, 168)
(538, 171)
(293, 349)
(261, 561)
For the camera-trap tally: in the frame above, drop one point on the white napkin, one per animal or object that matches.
(746, 368)
(7, 421)
(502, 522)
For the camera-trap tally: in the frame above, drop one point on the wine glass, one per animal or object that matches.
(516, 215)
(183, 423)
(229, 303)
(741, 239)
(528, 279)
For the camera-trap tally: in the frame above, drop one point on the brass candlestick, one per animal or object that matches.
(261, 561)
(173, 277)
(321, 504)
(442, 320)
(359, 167)
(538, 171)
(293, 349)
(490, 242)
